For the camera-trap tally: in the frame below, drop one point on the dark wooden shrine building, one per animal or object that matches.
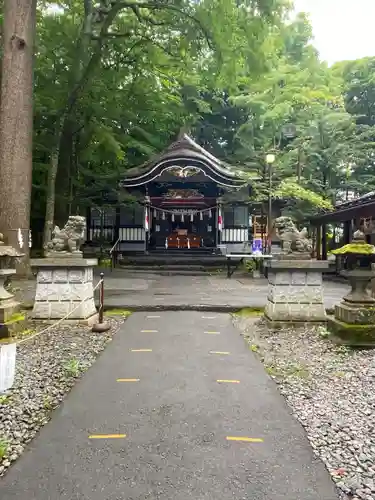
(187, 199)
(336, 227)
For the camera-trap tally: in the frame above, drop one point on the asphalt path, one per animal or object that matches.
(194, 416)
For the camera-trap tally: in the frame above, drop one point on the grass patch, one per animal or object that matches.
(15, 318)
(72, 367)
(4, 400)
(293, 370)
(105, 262)
(117, 312)
(247, 312)
(4, 445)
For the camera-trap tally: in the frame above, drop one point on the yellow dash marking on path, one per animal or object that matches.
(152, 317)
(149, 331)
(128, 380)
(208, 317)
(244, 439)
(213, 333)
(107, 436)
(141, 350)
(228, 381)
(219, 352)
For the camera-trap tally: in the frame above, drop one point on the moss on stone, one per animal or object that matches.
(355, 248)
(353, 335)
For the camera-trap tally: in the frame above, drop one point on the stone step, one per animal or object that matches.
(172, 272)
(151, 261)
(170, 267)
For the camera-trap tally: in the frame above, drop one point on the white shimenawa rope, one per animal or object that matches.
(182, 212)
(59, 321)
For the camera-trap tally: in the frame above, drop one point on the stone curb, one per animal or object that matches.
(176, 307)
(190, 307)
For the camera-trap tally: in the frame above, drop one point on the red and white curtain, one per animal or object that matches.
(147, 219)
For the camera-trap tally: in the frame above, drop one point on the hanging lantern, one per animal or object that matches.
(191, 217)
(201, 215)
(182, 217)
(154, 213)
(163, 215)
(172, 217)
(210, 213)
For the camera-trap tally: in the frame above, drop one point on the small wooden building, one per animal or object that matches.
(346, 218)
(184, 199)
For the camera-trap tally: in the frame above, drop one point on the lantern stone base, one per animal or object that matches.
(355, 335)
(354, 324)
(295, 291)
(354, 318)
(65, 286)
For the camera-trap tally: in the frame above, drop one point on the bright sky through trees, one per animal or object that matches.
(343, 29)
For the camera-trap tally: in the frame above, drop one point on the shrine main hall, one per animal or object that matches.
(185, 199)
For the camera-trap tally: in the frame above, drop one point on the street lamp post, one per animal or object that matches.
(270, 159)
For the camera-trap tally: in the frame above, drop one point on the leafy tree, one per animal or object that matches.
(105, 57)
(322, 156)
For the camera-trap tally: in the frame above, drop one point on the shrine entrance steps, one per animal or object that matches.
(175, 262)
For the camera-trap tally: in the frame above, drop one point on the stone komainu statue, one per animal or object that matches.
(70, 237)
(292, 240)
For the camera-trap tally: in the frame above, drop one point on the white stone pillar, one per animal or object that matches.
(295, 291)
(65, 284)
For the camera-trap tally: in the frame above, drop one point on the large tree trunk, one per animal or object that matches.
(16, 124)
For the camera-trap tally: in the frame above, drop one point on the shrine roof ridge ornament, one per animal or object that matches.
(183, 155)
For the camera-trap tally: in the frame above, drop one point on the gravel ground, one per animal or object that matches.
(331, 391)
(47, 367)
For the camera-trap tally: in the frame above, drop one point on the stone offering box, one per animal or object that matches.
(295, 291)
(65, 283)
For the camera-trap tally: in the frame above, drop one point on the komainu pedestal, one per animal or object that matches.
(65, 284)
(295, 291)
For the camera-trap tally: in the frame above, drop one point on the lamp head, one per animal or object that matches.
(270, 158)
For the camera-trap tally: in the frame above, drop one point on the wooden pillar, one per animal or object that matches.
(313, 241)
(347, 231)
(218, 233)
(88, 223)
(319, 242)
(116, 234)
(324, 242)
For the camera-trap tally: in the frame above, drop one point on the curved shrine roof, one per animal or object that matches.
(185, 149)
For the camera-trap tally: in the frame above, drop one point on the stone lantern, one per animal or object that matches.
(354, 318)
(8, 259)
